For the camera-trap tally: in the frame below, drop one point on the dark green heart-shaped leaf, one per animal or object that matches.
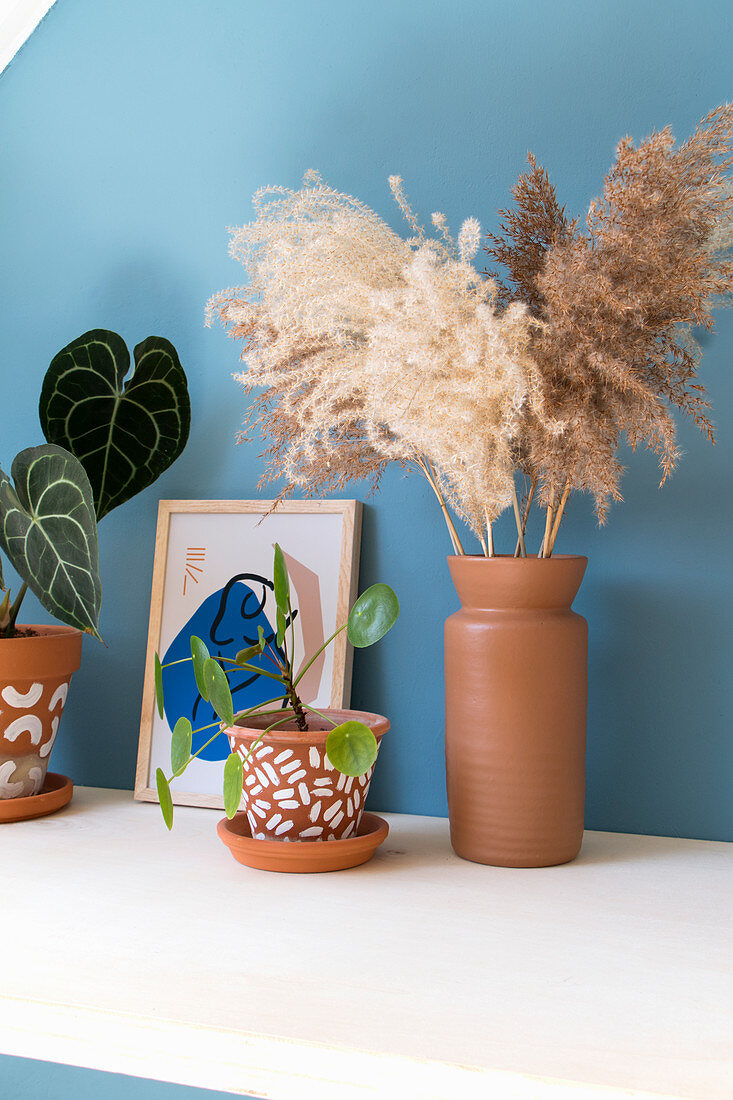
(181, 741)
(233, 779)
(200, 655)
(217, 691)
(374, 613)
(281, 582)
(159, 685)
(125, 434)
(49, 532)
(164, 797)
(352, 748)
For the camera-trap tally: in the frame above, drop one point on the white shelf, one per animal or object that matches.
(131, 950)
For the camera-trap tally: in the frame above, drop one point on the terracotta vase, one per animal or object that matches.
(35, 672)
(516, 691)
(292, 791)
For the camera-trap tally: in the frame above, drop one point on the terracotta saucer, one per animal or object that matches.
(55, 793)
(302, 856)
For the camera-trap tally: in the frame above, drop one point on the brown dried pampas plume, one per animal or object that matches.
(618, 302)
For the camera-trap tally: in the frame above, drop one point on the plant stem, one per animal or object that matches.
(195, 754)
(272, 654)
(548, 527)
(558, 516)
(321, 715)
(489, 536)
(518, 518)
(294, 700)
(525, 515)
(317, 654)
(246, 667)
(255, 743)
(15, 608)
(247, 713)
(425, 467)
(207, 743)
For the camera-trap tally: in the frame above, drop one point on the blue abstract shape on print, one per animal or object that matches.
(226, 621)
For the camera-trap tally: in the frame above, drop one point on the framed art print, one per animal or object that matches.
(212, 577)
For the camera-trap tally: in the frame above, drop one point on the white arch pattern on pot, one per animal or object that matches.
(27, 723)
(19, 699)
(35, 725)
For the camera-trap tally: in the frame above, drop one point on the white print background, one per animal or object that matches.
(236, 544)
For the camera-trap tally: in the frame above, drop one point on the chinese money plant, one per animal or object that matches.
(350, 746)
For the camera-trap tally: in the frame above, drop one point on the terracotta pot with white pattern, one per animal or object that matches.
(292, 791)
(35, 672)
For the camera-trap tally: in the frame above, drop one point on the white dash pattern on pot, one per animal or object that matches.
(297, 794)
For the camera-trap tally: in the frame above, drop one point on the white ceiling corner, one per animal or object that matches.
(18, 20)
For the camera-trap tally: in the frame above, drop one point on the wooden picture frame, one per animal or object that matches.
(197, 544)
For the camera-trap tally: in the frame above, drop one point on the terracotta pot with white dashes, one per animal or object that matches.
(35, 671)
(292, 791)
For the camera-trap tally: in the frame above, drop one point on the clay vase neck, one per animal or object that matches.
(516, 584)
(515, 683)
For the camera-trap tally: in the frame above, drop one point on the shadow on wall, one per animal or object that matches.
(656, 666)
(402, 677)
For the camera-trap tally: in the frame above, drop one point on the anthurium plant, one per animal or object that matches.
(107, 440)
(351, 746)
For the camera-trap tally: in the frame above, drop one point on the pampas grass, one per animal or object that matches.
(364, 347)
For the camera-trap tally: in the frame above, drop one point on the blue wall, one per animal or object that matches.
(24, 1079)
(134, 133)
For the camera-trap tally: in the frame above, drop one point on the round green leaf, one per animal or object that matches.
(124, 433)
(181, 741)
(200, 655)
(245, 655)
(164, 797)
(217, 691)
(281, 582)
(374, 613)
(280, 628)
(159, 685)
(49, 532)
(352, 748)
(233, 780)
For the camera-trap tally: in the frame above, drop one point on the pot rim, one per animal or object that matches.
(511, 558)
(378, 724)
(44, 630)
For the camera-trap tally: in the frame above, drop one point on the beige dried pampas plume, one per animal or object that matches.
(372, 348)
